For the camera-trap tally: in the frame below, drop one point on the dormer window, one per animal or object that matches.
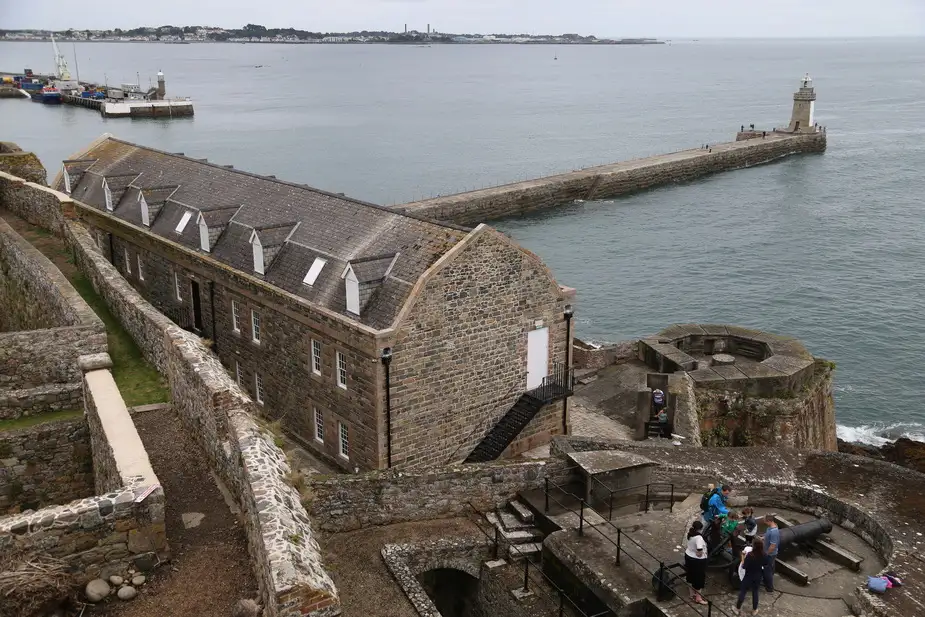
(353, 291)
(183, 221)
(203, 234)
(314, 271)
(258, 253)
(145, 214)
(67, 180)
(107, 194)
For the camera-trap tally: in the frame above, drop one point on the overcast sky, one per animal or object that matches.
(660, 18)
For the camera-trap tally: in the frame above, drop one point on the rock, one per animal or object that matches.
(904, 452)
(139, 580)
(246, 608)
(96, 590)
(127, 593)
(146, 562)
(116, 580)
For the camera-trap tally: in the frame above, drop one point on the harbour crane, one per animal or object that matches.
(61, 70)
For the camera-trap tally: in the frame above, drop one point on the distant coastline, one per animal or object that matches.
(252, 33)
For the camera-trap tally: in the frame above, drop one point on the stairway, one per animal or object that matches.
(518, 538)
(506, 430)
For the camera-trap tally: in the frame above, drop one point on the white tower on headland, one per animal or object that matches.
(161, 86)
(803, 119)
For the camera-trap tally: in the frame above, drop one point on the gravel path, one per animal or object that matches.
(210, 569)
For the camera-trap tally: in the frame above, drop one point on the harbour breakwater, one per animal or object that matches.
(616, 179)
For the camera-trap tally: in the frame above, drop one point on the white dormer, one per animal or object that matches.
(107, 194)
(67, 179)
(203, 233)
(145, 214)
(353, 290)
(258, 252)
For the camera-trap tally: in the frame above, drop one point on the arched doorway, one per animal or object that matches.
(453, 592)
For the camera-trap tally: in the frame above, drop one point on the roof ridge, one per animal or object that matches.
(363, 260)
(304, 187)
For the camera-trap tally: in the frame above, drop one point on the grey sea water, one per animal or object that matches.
(826, 248)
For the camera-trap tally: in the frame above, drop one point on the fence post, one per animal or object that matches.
(526, 574)
(581, 519)
(561, 603)
(496, 541)
(647, 496)
(671, 503)
(661, 580)
(546, 492)
(619, 539)
(610, 515)
(709, 608)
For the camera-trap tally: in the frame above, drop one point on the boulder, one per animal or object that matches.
(127, 593)
(115, 581)
(96, 590)
(139, 580)
(246, 608)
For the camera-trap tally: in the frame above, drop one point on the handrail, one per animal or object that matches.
(555, 385)
(483, 423)
(620, 552)
(562, 595)
(618, 490)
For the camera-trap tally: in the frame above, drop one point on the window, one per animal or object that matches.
(316, 357)
(145, 214)
(238, 374)
(183, 221)
(258, 387)
(258, 253)
(344, 445)
(353, 291)
(319, 426)
(255, 326)
(67, 180)
(235, 315)
(341, 370)
(128, 263)
(176, 286)
(107, 194)
(141, 274)
(314, 271)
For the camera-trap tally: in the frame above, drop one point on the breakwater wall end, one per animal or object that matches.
(613, 180)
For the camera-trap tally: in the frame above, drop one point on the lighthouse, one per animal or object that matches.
(803, 119)
(161, 86)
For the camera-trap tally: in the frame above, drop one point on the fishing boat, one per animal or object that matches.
(48, 95)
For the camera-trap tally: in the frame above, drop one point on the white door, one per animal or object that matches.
(537, 357)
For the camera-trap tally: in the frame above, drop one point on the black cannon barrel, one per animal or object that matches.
(806, 532)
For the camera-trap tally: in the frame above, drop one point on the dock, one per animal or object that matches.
(170, 108)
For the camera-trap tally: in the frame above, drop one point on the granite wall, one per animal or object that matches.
(105, 533)
(345, 503)
(220, 417)
(45, 464)
(588, 356)
(611, 180)
(21, 164)
(44, 327)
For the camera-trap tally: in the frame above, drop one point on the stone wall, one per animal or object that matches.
(611, 180)
(21, 164)
(447, 371)
(346, 503)
(44, 327)
(215, 411)
(45, 464)
(34, 202)
(588, 356)
(102, 534)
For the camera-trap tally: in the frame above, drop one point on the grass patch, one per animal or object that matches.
(41, 418)
(138, 381)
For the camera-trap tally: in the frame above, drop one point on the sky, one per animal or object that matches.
(664, 19)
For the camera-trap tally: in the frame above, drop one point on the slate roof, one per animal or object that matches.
(386, 248)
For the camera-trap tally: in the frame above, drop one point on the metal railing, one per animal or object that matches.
(562, 601)
(557, 385)
(485, 423)
(649, 498)
(659, 578)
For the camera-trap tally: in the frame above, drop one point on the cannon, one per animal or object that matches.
(807, 532)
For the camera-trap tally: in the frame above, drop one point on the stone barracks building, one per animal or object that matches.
(377, 338)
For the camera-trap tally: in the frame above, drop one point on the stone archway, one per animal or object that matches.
(454, 592)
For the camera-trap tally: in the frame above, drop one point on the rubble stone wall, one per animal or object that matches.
(44, 465)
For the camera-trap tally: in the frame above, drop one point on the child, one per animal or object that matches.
(750, 524)
(731, 523)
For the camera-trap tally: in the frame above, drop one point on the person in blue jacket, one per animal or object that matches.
(717, 504)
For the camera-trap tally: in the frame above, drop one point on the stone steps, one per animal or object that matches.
(527, 550)
(521, 510)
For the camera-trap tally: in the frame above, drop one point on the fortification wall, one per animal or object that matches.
(104, 533)
(21, 164)
(45, 464)
(346, 503)
(612, 180)
(587, 356)
(45, 326)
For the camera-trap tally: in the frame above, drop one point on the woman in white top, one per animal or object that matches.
(695, 561)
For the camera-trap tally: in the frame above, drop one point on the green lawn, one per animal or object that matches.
(138, 381)
(42, 418)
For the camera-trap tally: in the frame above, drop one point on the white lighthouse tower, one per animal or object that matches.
(161, 86)
(803, 119)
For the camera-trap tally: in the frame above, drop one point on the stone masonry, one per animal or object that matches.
(44, 465)
(44, 327)
(612, 180)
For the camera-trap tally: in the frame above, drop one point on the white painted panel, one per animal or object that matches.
(537, 357)
(812, 113)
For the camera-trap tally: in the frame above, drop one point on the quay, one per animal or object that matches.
(752, 147)
(171, 108)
